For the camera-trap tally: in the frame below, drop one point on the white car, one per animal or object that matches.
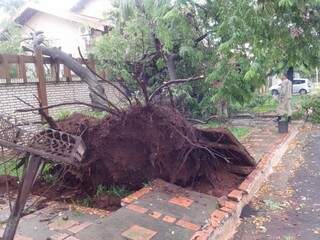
(299, 86)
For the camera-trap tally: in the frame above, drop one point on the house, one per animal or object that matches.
(66, 29)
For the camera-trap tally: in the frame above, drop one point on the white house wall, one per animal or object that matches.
(61, 33)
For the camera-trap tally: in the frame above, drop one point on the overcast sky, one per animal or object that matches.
(58, 4)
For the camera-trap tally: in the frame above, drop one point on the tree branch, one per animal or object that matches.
(103, 79)
(62, 104)
(177, 81)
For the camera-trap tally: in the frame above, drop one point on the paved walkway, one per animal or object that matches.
(164, 211)
(288, 206)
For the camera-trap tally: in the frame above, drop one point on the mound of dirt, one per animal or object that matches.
(151, 142)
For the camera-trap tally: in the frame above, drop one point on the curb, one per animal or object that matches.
(226, 219)
(223, 222)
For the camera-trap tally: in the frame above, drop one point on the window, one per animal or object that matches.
(299, 81)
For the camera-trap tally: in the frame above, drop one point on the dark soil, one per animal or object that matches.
(150, 142)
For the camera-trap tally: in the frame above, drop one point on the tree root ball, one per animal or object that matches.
(149, 142)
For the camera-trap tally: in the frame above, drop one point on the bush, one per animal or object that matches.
(258, 104)
(311, 107)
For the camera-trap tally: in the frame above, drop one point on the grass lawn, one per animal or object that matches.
(238, 132)
(10, 169)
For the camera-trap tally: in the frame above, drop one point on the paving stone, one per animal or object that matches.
(137, 208)
(59, 236)
(61, 224)
(71, 238)
(79, 227)
(138, 233)
(20, 237)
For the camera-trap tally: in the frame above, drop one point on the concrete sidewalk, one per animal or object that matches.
(287, 207)
(163, 211)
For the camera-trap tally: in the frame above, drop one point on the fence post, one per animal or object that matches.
(6, 68)
(42, 91)
(67, 73)
(55, 71)
(22, 69)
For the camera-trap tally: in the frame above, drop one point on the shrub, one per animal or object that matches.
(311, 106)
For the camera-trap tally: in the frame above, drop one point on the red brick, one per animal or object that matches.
(217, 217)
(59, 236)
(138, 194)
(20, 237)
(79, 227)
(137, 208)
(235, 195)
(246, 185)
(138, 233)
(181, 201)
(202, 234)
(230, 204)
(225, 209)
(155, 215)
(188, 225)
(169, 219)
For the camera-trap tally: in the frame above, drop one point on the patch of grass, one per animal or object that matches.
(47, 175)
(9, 168)
(273, 205)
(240, 132)
(94, 114)
(116, 191)
(62, 115)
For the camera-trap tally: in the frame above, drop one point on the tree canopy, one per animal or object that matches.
(236, 44)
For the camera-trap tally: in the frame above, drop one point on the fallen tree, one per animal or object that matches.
(146, 140)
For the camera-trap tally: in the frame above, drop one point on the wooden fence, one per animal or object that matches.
(18, 68)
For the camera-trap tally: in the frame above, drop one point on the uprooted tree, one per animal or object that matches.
(146, 139)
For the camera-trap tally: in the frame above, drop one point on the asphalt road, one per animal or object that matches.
(288, 206)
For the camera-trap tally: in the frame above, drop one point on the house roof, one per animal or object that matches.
(28, 11)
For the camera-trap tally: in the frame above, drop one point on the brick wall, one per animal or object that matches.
(57, 93)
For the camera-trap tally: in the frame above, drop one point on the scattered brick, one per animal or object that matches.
(138, 233)
(235, 195)
(155, 215)
(137, 208)
(79, 227)
(181, 201)
(188, 225)
(169, 219)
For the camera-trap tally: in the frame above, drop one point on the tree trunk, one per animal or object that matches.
(170, 62)
(97, 92)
